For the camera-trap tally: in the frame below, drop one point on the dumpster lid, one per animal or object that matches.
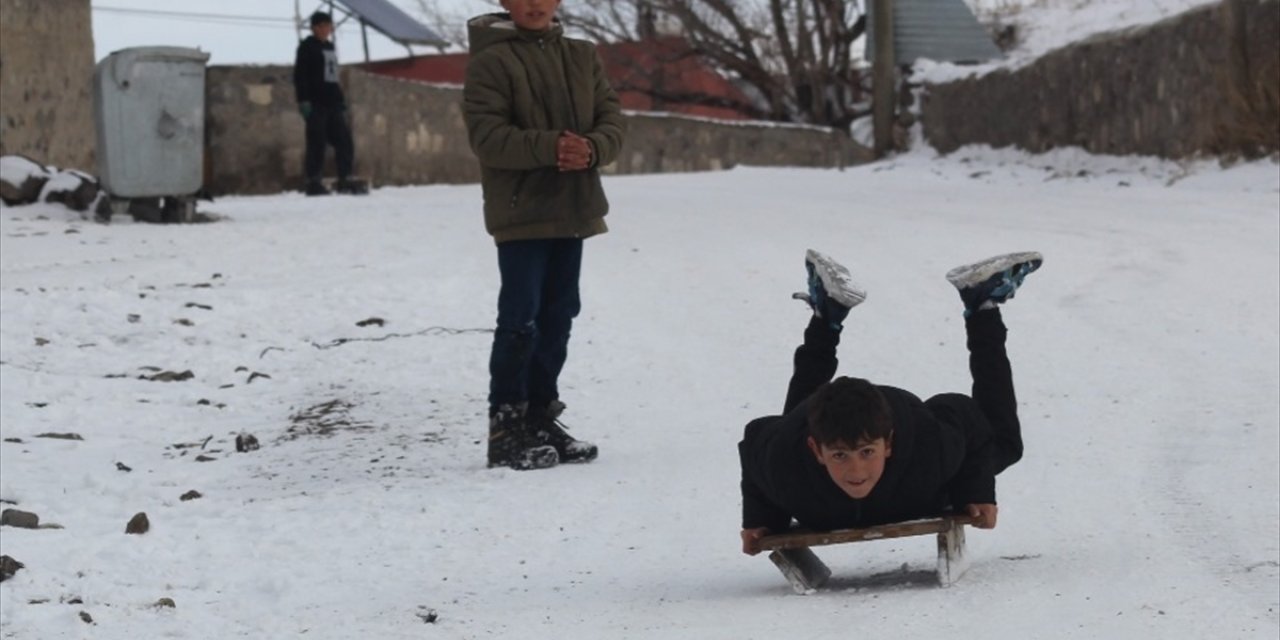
(163, 53)
(121, 62)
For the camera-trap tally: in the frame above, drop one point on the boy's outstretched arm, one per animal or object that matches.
(497, 142)
(973, 487)
(760, 516)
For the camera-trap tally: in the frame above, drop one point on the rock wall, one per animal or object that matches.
(413, 133)
(1206, 81)
(46, 75)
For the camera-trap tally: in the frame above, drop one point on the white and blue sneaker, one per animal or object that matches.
(991, 282)
(832, 291)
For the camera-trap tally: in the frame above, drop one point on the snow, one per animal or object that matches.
(63, 181)
(1046, 25)
(1146, 352)
(16, 170)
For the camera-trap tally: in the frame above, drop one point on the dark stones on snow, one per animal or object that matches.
(246, 442)
(169, 376)
(23, 184)
(77, 191)
(25, 181)
(138, 524)
(20, 519)
(9, 567)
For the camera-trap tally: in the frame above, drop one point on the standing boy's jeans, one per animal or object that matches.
(327, 124)
(536, 307)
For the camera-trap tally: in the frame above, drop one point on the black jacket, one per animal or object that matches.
(940, 458)
(315, 73)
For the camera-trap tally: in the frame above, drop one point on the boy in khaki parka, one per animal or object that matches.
(542, 118)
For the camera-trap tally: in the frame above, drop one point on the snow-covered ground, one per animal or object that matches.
(1146, 351)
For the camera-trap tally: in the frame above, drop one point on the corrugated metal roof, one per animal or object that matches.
(393, 22)
(942, 30)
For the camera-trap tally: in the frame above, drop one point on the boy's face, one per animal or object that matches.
(323, 30)
(856, 469)
(532, 15)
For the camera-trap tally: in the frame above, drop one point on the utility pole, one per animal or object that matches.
(364, 33)
(883, 76)
(297, 18)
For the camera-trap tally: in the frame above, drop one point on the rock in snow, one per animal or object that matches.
(21, 179)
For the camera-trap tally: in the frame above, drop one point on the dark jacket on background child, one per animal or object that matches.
(315, 74)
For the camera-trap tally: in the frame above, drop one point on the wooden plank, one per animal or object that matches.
(797, 539)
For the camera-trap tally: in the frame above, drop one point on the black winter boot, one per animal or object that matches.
(545, 422)
(352, 186)
(512, 443)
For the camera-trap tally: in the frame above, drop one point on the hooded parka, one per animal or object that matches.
(523, 90)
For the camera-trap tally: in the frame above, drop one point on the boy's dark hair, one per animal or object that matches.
(320, 17)
(849, 411)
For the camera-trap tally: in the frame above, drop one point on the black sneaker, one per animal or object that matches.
(550, 431)
(352, 186)
(993, 281)
(513, 444)
(832, 291)
(315, 188)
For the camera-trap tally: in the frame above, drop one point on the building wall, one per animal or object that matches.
(46, 73)
(413, 133)
(1202, 82)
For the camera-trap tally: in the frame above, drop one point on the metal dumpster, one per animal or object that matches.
(149, 112)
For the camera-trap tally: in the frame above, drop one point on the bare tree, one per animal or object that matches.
(793, 57)
(792, 60)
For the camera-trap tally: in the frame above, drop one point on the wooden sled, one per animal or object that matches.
(806, 572)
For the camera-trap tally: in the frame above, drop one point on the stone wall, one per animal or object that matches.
(1204, 81)
(412, 133)
(46, 75)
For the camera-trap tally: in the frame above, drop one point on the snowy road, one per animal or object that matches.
(1146, 354)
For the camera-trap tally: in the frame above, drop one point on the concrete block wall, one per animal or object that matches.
(1163, 89)
(413, 133)
(46, 76)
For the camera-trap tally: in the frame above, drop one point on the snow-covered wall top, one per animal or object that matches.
(1204, 82)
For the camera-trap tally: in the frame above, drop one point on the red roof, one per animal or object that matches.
(633, 67)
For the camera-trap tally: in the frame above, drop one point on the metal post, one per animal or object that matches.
(297, 18)
(884, 76)
(364, 33)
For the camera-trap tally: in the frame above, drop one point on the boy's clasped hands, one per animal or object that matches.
(573, 152)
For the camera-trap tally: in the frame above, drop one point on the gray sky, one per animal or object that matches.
(259, 31)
